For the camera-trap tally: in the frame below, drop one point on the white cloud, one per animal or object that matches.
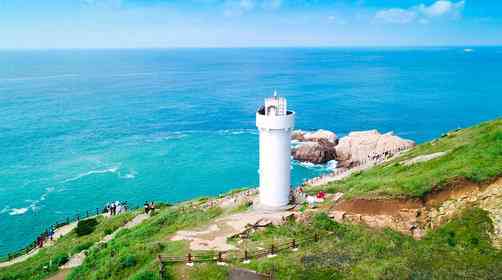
(441, 8)
(421, 13)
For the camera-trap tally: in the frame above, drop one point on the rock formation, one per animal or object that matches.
(322, 146)
(360, 146)
(315, 152)
(316, 147)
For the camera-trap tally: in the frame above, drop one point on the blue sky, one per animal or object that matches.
(247, 23)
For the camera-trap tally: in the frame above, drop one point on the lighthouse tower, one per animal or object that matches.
(275, 124)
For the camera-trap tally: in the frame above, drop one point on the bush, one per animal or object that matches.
(83, 246)
(86, 227)
(128, 261)
(109, 230)
(146, 275)
(60, 259)
(324, 222)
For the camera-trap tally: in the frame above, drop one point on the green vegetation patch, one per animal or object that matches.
(46, 262)
(460, 249)
(473, 153)
(132, 253)
(85, 227)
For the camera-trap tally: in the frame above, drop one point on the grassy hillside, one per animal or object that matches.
(45, 262)
(460, 249)
(474, 153)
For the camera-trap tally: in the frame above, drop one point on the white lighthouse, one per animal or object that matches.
(275, 124)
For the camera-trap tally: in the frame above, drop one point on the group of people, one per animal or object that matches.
(149, 207)
(46, 235)
(116, 207)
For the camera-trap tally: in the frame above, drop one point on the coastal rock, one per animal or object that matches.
(318, 152)
(360, 146)
(317, 147)
(315, 136)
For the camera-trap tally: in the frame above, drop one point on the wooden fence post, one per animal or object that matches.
(220, 257)
(246, 258)
(161, 268)
(272, 249)
(189, 259)
(316, 237)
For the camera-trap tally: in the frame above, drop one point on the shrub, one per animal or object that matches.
(83, 246)
(60, 259)
(109, 230)
(146, 275)
(86, 227)
(128, 261)
(323, 222)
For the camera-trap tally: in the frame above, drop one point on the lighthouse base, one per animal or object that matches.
(257, 206)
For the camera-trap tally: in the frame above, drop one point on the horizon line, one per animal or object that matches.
(259, 47)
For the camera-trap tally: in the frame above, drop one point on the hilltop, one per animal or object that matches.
(448, 190)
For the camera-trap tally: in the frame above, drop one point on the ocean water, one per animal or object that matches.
(79, 128)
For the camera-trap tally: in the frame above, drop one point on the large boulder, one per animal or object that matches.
(318, 152)
(360, 146)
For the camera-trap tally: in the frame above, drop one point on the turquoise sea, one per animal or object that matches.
(79, 128)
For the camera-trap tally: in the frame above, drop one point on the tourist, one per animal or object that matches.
(146, 207)
(113, 208)
(50, 233)
(151, 208)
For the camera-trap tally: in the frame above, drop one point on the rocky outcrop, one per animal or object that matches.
(361, 146)
(316, 147)
(358, 147)
(318, 152)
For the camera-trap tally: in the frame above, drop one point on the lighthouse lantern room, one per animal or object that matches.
(275, 124)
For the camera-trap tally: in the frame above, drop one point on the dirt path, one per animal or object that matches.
(58, 233)
(78, 259)
(214, 236)
(61, 275)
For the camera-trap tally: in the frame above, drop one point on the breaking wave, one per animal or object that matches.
(34, 204)
(112, 169)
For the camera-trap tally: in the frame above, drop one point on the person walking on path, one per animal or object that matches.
(146, 207)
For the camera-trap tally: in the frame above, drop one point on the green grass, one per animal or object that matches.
(460, 249)
(132, 253)
(474, 154)
(45, 262)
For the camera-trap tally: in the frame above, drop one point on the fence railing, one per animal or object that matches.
(58, 224)
(233, 256)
